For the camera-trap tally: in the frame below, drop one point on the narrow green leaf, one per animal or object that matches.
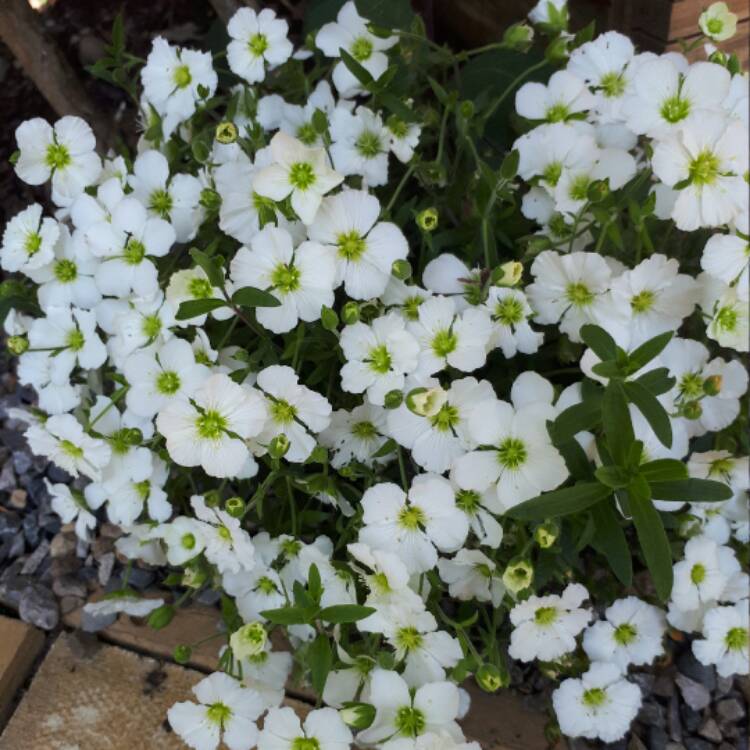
(691, 490)
(578, 463)
(643, 354)
(612, 476)
(618, 428)
(314, 585)
(657, 381)
(249, 296)
(193, 307)
(664, 470)
(358, 71)
(288, 615)
(610, 541)
(320, 661)
(600, 342)
(577, 418)
(652, 536)
(561, 502)
(343, 613)
(655, 414)
(210, 267)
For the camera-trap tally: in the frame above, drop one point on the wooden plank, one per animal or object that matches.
(20, 644)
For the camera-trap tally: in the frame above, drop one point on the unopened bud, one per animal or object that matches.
(546, 534)
(357, 715)
(466, 109)
(18, 344)
(508, 274)
(226, 132)
(194, 578)
(210, 199)
(393, 399)
(490, 678)
(278, 446)
(426, 402)
(712, 385)
(598, 191)
(329, 318)
(350, 313)
(428, 219)
(518, 36)
(182, 654)
(161, 617)
(557, 50)
(235, 506)
(249, 640)
(212, 498)
(401, 269)
(692, 410)
(518, 575)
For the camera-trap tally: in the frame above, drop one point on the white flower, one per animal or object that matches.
(71, 506)
(545, 627)
(128, 498)
(258, 40)
(705, 160)
(65, 152)
(564, 95)
(323, 729)
(159, 376)
(632, 633)
(174, 199)
(175, 80)
(28, 241)
(402, 714)
(379, 356)
(141, 542)
(404, 138)
(540, 13)
(361, 145)
(439, 438)
(413, 526)
(363, 247)
(480, 509)
(185, 538)
(297, 120)
(304, 173)
(254, 591)
(356, 435)
(472, 575)
(727, 307)
(226, 711)
(570, 289)
(717, 22)
(56, 394)
(211, 430)
(267, 673)
(726, 257)
(599, 705)
(293, 410)
(510, 312)
(126, 602)
(228, 545)
(726, 640)
(350, 32)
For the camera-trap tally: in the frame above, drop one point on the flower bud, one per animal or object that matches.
(235, 506)
(557, 50)
(712, 385)
(357, 715)
(426, 402)
(17, 344)
(133, 436)
(490, 678)
(278, 446)
(598, 191)
(249, 640)
(329, 318)
(466, 109)
(210, 199)
(182, 654)
(518, 575)
(161, 617)
(212, 499)
(226, 132)
(518, 36)
(427, 220)
(393, 399)
(350, 313)
(546, 534)
(401, 269)
(692, 410)
(508, 274)
(194, 578)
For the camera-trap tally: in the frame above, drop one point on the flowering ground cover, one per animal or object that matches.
(430, 359)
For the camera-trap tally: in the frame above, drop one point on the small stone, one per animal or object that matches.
(31, 530)
(62, 545)
(69, 586)
(657, 737)
(57, 475)
(723, 685)
(21, 462)
(140, 578)
(664, 685)
(12, 587)
(652, 715)
(106, 565)
(7, 477)
(208, 597)
(710, 730)
(688, 665)
(693, 743)
(645, 681)
(673, 719)
(92, 623)
(10, 524)
(635, 743)
(691, 719)
(102, 546)
(730, 710)
(34, 560)
(63, 566)
(674, 746)
(70, 604)
(39, 607)
(18, 499)
(110, 531)
(694, 693)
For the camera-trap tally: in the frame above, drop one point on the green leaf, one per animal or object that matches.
(343, 613)
(618, 427)
(193, 307)
(314, 585)
(561, 502)
(691, 490)
(358, 71)
(656, 381)
(599, 341)
(577, 418)
(249, 296)
(652, 410)
(388, 14)
(320, 661)
(209, 265)
(648, 350)
(288, 615)
(664, 470)
(578, 463)
(612, 476)
(610, 541)
(509, 166)
(651, 535)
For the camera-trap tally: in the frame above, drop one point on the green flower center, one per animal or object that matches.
(290, 548)
(446, 418)
(411, 517)
(182, 76)
(691, 385)
(552, 173)
(704, 168)
(282, 412)
(143, 489)
(410, 307)
(218, 713)
(200, 288)
(545, 615)
(612, 85)
(120, 441)
(258, 44)
(368, 144)
(75, 340)
(643, 301)
(380, 359)
(160, 202)
(65, 271)
(210, 425)
(722, 466)
(468, 501)
(71, 449)
(57, 156)
(301, 175)
(409, 638)
(698, 573)
(151, 326)
(579, 187)
(509, 311)
(351, 245)
(675, 109)
(32, 244)
(168, 383)
(398, 127)
(715, 25)
(726, 319)
(579, 294)
(305, 743)
(444, 342)
(557, 113)
(625, 633)
(410, 722)
(307, 134)
(512, 453)
(364, 430)
(135, 252)
(285, 278)
(594, 697)
(361, 50)
(224, 533)
(187, 541)
(265, 585)
(736, 639)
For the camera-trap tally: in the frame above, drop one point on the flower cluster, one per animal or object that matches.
(327, 343)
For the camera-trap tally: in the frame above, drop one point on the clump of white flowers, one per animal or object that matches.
(406, 365)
